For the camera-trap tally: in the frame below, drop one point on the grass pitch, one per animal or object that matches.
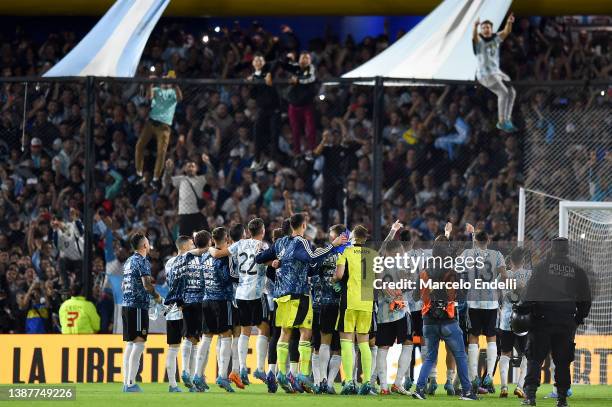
(110, 395)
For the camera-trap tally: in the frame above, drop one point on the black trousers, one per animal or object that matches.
(266, 133)
(193, 222)
(332, 198)
(554, 338)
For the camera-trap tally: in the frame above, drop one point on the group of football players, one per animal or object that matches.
(311, 311)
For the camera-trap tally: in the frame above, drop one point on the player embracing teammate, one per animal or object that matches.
(292, 296)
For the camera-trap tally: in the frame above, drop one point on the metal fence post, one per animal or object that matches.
(88, 213)
(377, 164)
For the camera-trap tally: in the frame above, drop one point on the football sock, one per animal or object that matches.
(171, 364)
(381, 367)
(202, 355)
(305, 353)
(316, 373)
(374, 352)
(137, 350)
(504, 365)
(473, 360)
(323, 360)
(491, 357)
(334, 368)
(225, 356)
(243, 350)
(346, 348)
(186, 354)
(235, 357)
(450, 375)
(366, 359)
(282, 353)
(403, 365)
(126, 362)
(261, 345)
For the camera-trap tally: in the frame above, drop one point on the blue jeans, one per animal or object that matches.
(452, 335)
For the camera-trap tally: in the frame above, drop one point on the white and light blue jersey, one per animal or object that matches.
(174, 313)
(251, 276)
(490, 262)
(512, 296)
(487, 53)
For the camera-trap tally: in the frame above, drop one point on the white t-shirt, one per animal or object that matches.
(487, 54)
(251, 276)
(189, 190)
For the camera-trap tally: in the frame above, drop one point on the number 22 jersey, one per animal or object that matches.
(251, 276)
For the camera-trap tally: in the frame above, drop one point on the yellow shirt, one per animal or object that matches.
(358, 294)
(79, 316)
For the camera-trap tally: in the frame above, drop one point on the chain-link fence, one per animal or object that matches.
(94, 159)
(568, 151)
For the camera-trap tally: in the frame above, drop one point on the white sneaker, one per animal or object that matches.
(400, 390)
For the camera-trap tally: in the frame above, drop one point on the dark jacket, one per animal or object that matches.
(303, 93)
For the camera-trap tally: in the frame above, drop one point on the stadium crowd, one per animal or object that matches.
(443, 158)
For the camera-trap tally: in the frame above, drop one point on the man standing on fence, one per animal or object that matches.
(163, 104)
(268, 103)
(301, 99)
(486, 47)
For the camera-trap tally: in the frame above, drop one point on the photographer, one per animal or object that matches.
(440, 320)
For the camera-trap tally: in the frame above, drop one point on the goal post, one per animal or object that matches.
(588, 226)
(583, 209)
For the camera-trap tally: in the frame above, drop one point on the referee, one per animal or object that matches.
(558, 298)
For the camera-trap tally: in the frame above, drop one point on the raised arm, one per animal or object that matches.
(475, 37)
(507, 28)
(397, 225)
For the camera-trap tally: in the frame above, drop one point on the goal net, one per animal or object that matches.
(588, 226)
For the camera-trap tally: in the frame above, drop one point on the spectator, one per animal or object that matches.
(268, 104)
(163, 104)
(338, 152)
(221, 122)
(33, 304)
(69, 239)
(190, 202)
(301, 98)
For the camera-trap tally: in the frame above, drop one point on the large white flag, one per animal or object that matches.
(440, 46)
(114, 46)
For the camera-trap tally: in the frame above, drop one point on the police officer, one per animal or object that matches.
(558, 299)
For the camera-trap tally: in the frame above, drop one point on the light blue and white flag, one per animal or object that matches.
(439, 47)
(114, 46)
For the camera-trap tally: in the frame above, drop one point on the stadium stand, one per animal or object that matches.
(426, 181)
